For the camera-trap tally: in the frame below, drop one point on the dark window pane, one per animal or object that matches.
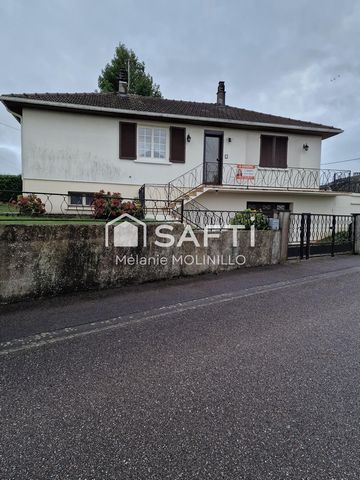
(268, 208)
(75, 198)
(89, 197)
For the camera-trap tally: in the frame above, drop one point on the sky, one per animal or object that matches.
(297, 59)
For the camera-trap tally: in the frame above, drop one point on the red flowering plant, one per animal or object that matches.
(110, 205)
(115, 205)
(133, 208)
(30, 205)
(106, 205)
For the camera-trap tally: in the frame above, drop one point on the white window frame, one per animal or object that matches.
(153, 159)
(83, 199)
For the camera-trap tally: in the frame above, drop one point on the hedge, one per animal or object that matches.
(9, 184)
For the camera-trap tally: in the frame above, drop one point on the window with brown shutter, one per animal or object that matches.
(273, 151)
(128, 140)
(177, 144)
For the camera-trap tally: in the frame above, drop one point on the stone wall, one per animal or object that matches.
(43, 260)
(357, 235)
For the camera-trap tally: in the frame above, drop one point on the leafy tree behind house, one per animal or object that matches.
(10, 187)
(141, 83)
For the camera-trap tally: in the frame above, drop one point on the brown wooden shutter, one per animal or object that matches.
(281, 152)
(266, 150)
(177, 144)
(273, 151)
(128, 140)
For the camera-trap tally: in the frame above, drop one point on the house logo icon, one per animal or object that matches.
(126, 233)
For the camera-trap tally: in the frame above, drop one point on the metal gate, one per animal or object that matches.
(313, 235)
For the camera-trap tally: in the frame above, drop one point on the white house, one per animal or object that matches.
(225, 158)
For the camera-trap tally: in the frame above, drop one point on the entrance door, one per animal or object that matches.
(213, 147)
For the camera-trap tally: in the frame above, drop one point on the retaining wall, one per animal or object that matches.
(41, 260)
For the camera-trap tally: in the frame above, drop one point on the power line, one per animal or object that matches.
(10, 126)
(343, 161)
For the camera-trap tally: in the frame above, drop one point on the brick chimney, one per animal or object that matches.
(123, 82)
(220, 96)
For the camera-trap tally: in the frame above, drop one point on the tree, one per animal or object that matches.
(141, 82)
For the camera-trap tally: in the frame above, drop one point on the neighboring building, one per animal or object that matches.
(226, 158)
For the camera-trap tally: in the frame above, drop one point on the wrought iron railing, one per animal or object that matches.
(175, 196)
(291, 178)
(216, 218)
(186, 186)
(186, 182)
(207, 218)
(45, 206)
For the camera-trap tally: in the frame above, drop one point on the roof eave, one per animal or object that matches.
(324, 132)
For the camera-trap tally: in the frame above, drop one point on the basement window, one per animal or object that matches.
(80, 199)
(268, 208)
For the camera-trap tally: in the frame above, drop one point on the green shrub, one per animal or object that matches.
(340, 237)
(10, 187)
(245, 218)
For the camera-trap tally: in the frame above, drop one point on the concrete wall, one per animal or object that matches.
(357, 235)
(42, 260)
(300, 202)
(64, 152)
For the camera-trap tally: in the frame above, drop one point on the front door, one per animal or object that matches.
(213, 146)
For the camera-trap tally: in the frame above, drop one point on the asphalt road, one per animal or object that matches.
(249, 375)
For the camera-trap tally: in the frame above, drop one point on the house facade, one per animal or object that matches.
(211, 155)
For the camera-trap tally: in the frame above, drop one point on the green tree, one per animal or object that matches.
(141, 83)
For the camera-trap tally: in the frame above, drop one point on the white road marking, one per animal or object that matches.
(68, 333)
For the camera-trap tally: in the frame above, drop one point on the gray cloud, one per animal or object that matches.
(275, 56)
(10, 159)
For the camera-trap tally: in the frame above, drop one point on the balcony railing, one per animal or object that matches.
(249, 177)
(292, 178)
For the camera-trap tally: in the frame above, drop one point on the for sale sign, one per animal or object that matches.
(245, 172)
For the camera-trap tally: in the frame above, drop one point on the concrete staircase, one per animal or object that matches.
(181, 196)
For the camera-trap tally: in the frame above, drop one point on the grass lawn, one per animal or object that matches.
(6, 208)
(9, 216)
(7, 220)
(22, 220)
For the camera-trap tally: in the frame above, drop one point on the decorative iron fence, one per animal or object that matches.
(77, 206)
(204, 217)
(317, 234)
(223, 218)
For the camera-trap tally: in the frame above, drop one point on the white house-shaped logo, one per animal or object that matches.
(126, 234)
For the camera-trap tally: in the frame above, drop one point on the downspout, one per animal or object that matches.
(17, 115)
(19, 118)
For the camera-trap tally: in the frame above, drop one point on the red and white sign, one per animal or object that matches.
(245, 172)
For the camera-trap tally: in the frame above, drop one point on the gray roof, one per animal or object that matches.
(138, 105)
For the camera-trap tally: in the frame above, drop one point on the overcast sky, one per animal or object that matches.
(294, 58)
